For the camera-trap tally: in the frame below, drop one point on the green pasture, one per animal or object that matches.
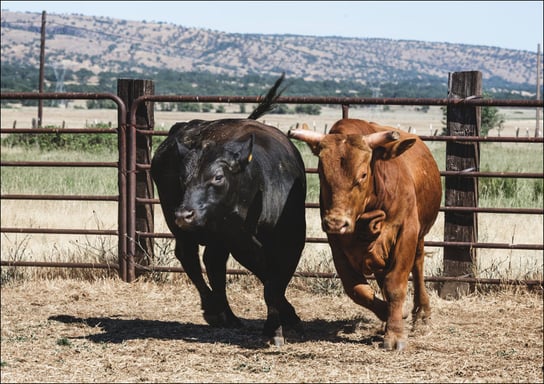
(494, 157)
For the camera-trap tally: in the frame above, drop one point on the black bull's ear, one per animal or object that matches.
(182, 148)
(240, 153)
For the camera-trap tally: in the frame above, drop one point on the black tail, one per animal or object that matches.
(269, 100)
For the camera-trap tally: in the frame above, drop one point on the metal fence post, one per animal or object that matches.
(462, 120)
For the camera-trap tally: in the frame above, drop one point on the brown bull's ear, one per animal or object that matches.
(398, 147)
(311, 138)
(386, 145)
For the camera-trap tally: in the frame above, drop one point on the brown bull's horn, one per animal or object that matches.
(380, 138)
(310, 137)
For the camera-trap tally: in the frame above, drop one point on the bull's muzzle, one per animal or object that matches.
(337, 224)
(184, 217)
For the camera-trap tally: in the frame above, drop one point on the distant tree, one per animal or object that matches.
(188, 107)
(281, 109)
(308, 109)
(101, 104)
(84, 75)
(491, 118)
(207, 107)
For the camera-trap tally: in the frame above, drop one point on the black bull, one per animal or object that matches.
(237, 187)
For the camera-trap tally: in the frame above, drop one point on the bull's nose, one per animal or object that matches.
(336, 224)
(185, 215)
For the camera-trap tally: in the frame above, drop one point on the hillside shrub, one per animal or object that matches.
(89, 142)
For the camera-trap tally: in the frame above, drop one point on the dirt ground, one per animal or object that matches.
(55, 330)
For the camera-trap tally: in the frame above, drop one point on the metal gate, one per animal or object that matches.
(128, 131)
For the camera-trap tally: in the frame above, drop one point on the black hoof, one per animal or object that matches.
(223, 320)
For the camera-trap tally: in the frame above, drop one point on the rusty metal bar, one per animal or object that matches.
(82, 164)
(305, 274)
(63, 231)
(53, 264)
(242, 272)
(60, 96)
(60, 197)
(528, 175)
(494, 139)
(348, 100)
(58, 130)
(536, 247)
(524, 211)
(323, 240)
(334, 275)
(528, 247)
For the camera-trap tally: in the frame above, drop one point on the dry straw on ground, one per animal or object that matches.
(110, 331)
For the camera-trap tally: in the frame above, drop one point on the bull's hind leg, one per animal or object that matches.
(395, 288)
(422, 308)
(275, 277)
(217, 311)
(281, 314)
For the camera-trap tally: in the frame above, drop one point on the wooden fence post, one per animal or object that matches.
(129, 90)
(461, 191)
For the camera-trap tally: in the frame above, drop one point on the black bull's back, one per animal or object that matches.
(257, 214)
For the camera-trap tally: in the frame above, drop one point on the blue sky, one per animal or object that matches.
(505, 24)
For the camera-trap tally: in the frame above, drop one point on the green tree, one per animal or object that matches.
(309, 109)
(490, 118)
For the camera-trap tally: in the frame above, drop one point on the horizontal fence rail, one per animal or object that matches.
(128, 168)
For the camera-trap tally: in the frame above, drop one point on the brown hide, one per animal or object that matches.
(397, 185)
(380, 194)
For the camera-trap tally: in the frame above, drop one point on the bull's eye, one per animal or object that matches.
(218, 179)
(361, 178)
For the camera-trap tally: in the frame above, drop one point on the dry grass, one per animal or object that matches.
(110, 331)
(402, 117)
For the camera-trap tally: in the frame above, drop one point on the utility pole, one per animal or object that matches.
(538, 69)
(42, 64)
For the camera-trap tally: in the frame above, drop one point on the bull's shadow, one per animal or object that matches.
(117, 330)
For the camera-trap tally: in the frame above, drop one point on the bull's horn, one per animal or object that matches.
(311, 138)
(380, 138)
(306, 135)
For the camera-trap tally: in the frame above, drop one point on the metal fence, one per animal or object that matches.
(129, 128)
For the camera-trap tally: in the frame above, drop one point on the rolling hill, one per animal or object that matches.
(100, 44)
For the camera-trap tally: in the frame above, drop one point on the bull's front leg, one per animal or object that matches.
(356, 286)
(187, 253)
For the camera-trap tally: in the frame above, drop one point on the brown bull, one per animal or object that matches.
(380, 192)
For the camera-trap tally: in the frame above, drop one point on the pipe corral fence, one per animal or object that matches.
(135, 201)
